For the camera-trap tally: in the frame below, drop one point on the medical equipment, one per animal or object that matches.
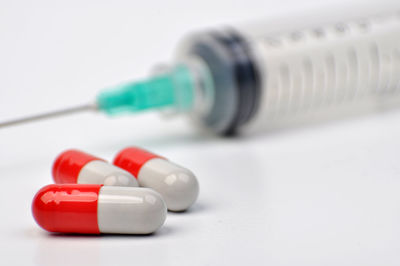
(77, 167)
(132, 167)
(98, 209)
(177, 185)
(247, 79)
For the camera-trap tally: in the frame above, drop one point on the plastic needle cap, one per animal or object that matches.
(172, 89)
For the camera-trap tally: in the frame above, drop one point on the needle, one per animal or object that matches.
(66, 111)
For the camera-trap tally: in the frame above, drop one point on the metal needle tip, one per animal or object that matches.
(32, 118)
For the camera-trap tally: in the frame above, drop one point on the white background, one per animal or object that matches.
(322, 195)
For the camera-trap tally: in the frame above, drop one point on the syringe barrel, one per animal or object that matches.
(303, 75)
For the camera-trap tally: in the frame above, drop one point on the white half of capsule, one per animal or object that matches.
(101, 172)
(130, 210)
(177, 185)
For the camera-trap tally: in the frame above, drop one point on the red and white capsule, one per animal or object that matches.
(95, 209)
(177, 185)
(77, 167)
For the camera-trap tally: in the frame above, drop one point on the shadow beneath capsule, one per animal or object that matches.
(196, 208)
(165, 230)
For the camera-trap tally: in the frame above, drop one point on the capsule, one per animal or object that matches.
(77, 167)
(177, 185)
(95, 209)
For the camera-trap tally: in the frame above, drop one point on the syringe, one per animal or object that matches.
(248, 79)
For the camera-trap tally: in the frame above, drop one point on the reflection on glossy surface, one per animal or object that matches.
(178, 186)
(130, 210)
(67, 208)
(94, 209)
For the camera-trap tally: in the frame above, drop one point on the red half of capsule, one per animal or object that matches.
(68, 164)
(68, 208)
(132, 159)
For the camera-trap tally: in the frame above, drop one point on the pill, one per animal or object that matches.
(95, 209)
(177, 185)
(77, 167)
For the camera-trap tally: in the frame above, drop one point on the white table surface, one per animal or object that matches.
(321, 195)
